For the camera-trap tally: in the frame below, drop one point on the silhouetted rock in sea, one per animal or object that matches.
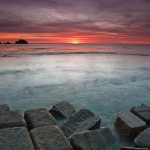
(21, 41)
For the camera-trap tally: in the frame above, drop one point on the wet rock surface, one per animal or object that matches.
(143, 112)
(77, 120)
(99, 139)
(16, 138)
(39, 117)
(49, 138)
(62, 109)
(89, 124)
(129, 124)
(143, 139)
(132, 148)
(11, 119)
(81, 129)
(4, 108)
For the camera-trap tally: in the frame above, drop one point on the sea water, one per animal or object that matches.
(105, 79)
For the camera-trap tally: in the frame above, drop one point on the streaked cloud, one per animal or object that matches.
(119, 19)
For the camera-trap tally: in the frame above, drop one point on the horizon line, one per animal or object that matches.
(84, 43)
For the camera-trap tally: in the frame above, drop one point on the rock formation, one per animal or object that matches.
(21, 41)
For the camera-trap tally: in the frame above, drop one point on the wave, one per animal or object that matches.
(87, 52)
(71, 53)
(23, 71)
(7, 55)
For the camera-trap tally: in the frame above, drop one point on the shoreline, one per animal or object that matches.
(39, 121)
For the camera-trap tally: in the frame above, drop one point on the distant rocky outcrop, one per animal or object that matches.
(21, 41)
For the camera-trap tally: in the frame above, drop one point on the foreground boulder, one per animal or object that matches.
(98, 139)
(16, 138)
(129, 124)
(143, 139)
(62, 109)
(143, 112)
(11, 119)
(4, 108)
(39, 117)
(132, 148)
(76, 121)
(49, 138)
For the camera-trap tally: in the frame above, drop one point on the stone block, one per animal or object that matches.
(16, 138)
(11, 119)
(79, 121)
(143, 139)
(49, 138)
(129, 124)
(143, 112)
(62, 109)
(98, 139)
(39, 117)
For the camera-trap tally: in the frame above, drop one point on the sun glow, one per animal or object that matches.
(74, 41)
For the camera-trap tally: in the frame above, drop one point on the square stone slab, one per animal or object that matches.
(143, 112)
(143, 139)
(129, 124)
(11, 119)
(4, 108)
(98, 139)
(16, 138)
(78, 120)
(62, 109)
(49, 138)
(39, 117)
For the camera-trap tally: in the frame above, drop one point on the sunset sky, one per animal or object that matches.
(75, 21)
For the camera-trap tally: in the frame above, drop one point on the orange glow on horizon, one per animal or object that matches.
(75, 41)
(78, 39)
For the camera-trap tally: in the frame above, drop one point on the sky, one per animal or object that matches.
(75, 21)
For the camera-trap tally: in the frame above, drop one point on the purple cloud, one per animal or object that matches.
(87, 17)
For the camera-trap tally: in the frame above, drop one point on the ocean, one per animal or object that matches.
(103, 78)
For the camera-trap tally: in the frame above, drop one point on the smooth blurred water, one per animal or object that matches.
(104, 83)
